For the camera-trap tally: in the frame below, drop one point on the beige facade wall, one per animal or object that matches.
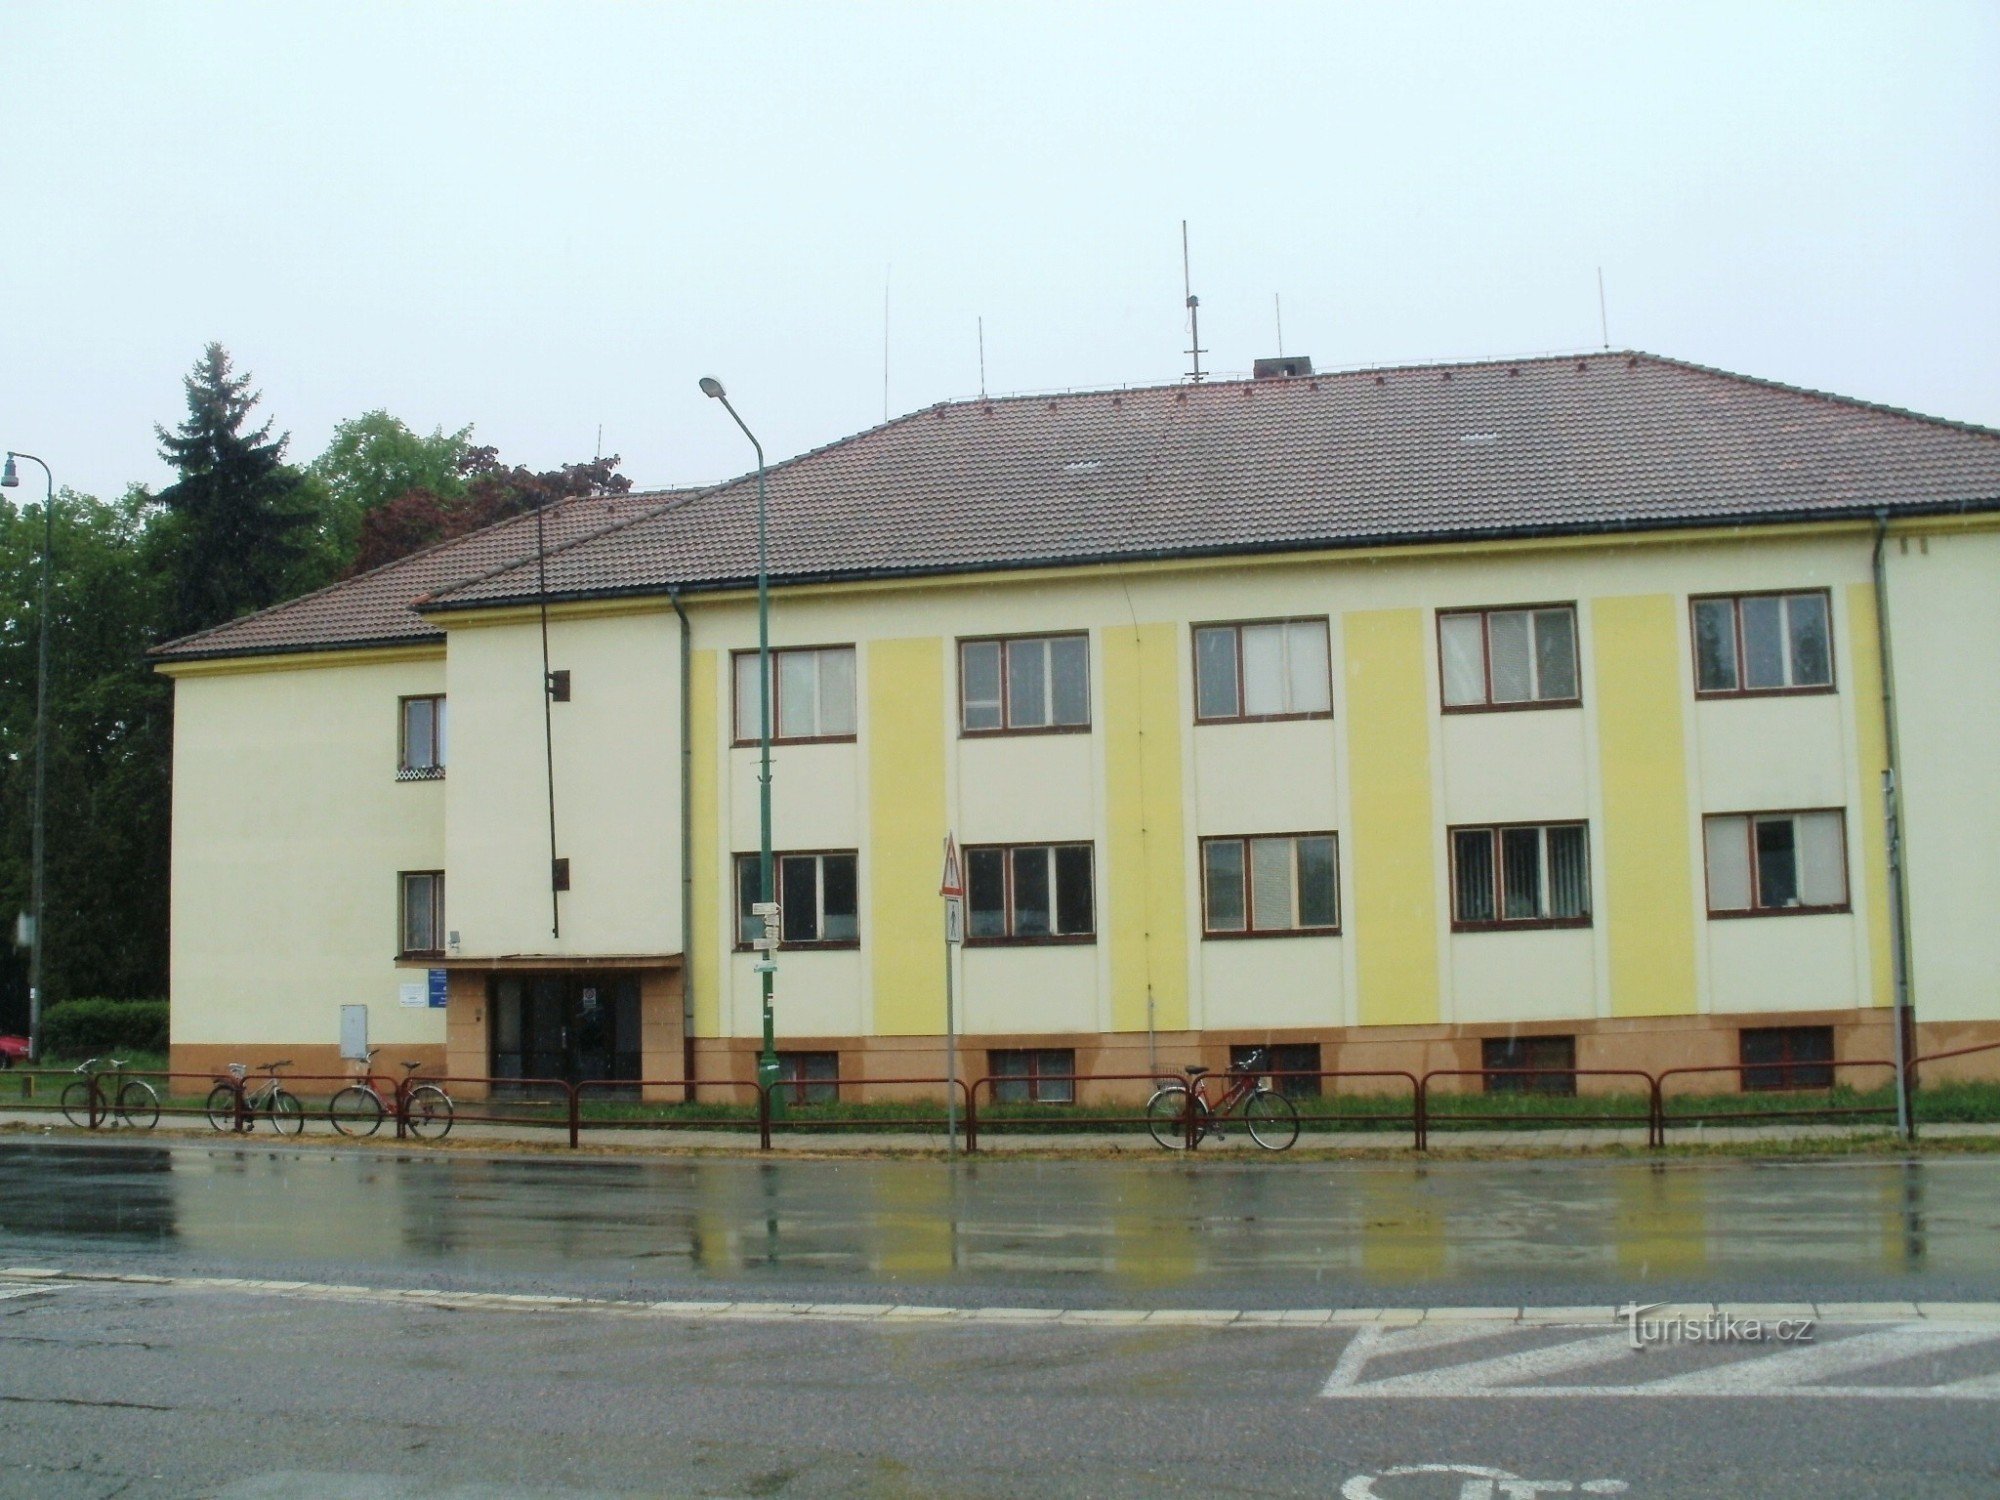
(1944, 599)
(1144, 785)
(290, 829)
(617, 788)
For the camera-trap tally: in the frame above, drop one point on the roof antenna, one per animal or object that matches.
(982, 359)
(885, 343)
(1278, 309)
(1603, 322)
(1193, 307)
(598, 456)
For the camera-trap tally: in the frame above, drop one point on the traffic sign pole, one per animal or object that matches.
(951, 886)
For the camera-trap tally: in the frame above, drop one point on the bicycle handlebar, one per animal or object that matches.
(272, 1067)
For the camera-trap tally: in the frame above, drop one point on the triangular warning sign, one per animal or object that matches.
(952, 882)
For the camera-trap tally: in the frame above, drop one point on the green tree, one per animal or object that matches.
(375, 459)
(110, 741)
(239, 530)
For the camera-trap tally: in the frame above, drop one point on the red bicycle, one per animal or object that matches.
(359, 1108)
(1179, 1115)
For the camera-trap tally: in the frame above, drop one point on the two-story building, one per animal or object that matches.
(1519, 713)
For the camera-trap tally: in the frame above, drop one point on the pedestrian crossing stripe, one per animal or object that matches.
(1477, 1364)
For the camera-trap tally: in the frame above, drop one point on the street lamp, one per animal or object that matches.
(11, 479)
(767, 968)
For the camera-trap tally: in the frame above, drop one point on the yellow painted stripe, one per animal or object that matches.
(1649, 883)
(1391, 846)
(1864, 651)
(906, 825)
(704, 945)
(1145, 863)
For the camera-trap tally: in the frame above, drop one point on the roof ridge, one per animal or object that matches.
(1231, 381)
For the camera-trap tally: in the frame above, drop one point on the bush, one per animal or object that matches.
(92, 1028)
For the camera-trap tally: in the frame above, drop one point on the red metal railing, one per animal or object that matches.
(574, 1108)
(1785, 1070)
(1427, 1117)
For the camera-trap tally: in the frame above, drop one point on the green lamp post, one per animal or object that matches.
(767, 967)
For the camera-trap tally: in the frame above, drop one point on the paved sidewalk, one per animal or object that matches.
(1001, 1142)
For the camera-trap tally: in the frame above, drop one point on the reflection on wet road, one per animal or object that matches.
(1308, 1234)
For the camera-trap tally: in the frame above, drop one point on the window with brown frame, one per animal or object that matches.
(1030, 893)
(1520, 875)
(1270, 669)
(420, 754)
(1508, 658)
(1785, 1057)
(818, 899)
(1528, 1053)
(1774, 863)
(812, 689)
(1033, 1075)
(1750, 644)
(1269, 885)
(420, 905)
(809, 1077)
(1024, 684)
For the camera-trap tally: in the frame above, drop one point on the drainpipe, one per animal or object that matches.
(687, 852)
(1892, 816)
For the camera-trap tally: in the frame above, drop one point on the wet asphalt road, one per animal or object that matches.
(1072, 1233)
(143, 1392)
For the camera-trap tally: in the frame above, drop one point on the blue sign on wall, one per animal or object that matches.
(440, 988)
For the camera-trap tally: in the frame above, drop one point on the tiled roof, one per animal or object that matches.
(1577, 444)
(376, 608)
(1580, 444)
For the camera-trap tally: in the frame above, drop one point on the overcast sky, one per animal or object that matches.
(540, 218)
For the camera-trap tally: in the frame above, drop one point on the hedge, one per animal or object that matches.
(91, 1028)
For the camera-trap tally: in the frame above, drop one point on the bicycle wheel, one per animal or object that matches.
(1166, 1117)
(76, 1103)
(430, 1112)
(286, 1114)
(355, 1111)
(1273, 1120)
(221, 1107)
(138, 1105)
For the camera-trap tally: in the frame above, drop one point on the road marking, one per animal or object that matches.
(1481, 1483)
(1760, 1371)
(1377, 1331)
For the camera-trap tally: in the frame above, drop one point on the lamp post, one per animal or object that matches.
(767, 967)
(10, 478)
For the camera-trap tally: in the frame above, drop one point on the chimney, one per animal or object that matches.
(1283, 367)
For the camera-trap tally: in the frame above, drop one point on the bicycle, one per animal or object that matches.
(1273, 1119)
(132, 1103)
(231, 1106)
(358, 1109)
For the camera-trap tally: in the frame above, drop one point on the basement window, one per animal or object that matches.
(1284, 1057)
(1033, 1075)
(809, 1077)
(1785, 1057)
(1527, 1053)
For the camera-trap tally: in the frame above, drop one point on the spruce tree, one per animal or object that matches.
(239, 526)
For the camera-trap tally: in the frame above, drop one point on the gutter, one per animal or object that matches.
(1892, 816)
(687, 849)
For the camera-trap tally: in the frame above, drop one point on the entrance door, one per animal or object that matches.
(573, 1027)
